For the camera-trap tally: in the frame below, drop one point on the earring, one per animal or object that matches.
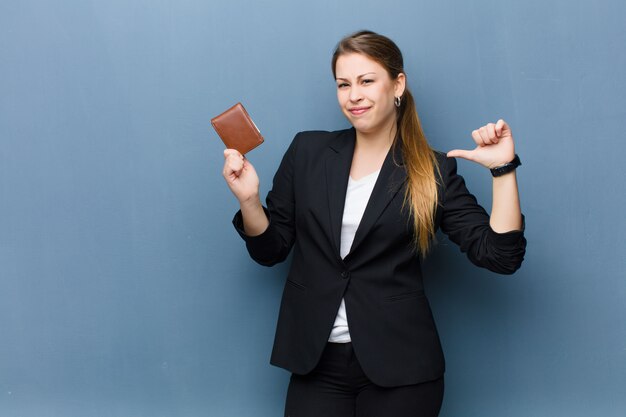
(397, 101)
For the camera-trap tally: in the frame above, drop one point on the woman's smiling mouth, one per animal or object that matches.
(357, 111)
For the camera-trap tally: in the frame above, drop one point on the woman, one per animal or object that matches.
(359, 207)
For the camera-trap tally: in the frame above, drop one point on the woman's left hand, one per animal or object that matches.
(494, 148)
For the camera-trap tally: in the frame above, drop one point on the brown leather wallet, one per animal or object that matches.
(237, 130)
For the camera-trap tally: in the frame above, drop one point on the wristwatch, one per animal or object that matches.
(506, 168)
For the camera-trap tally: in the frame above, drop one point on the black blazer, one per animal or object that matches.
(391, 325)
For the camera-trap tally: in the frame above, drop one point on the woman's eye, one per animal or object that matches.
(367, 81)
(342, 85)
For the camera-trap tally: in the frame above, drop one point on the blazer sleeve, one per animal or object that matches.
(467, 224)
(274, 244)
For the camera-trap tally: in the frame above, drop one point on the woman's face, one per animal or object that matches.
(366, 93)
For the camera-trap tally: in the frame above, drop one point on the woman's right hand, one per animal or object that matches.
(240, 176)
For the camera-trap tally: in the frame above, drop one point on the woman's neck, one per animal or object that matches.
(376, 142)
(370, 152)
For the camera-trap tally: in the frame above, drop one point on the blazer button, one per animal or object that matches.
(345, 274)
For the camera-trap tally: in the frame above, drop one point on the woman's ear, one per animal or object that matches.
(399, 85)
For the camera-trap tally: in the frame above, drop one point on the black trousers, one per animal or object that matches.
(337, 387)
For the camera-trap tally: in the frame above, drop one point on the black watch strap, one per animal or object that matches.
(506, 168)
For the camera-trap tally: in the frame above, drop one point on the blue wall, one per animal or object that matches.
(124, 290)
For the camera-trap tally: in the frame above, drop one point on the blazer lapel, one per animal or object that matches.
(338, 165)
(390, 179)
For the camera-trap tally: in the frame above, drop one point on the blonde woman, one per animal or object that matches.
(359, 208)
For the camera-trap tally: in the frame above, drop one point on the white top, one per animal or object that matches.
(357, 196)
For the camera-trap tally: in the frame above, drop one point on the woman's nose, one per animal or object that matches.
(355, 95)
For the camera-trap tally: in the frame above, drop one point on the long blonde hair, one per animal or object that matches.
(419, 158)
